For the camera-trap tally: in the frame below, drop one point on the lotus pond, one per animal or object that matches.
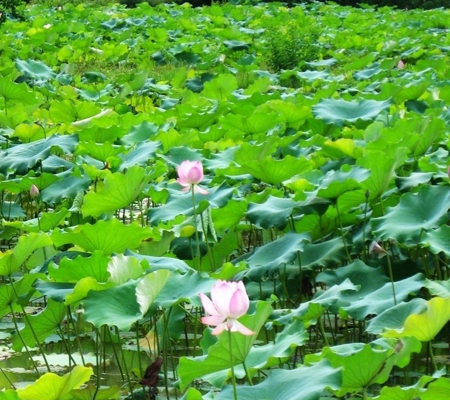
(151, 157)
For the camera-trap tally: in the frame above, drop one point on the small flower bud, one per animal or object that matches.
(367, 194)
(34, 191)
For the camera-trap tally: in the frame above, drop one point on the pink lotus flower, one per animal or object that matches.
(401, 65)
(190, 174)
(34, 191)
(229, 302)
(375, 248)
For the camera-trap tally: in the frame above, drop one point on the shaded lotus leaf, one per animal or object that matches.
(352, 359)
(335, 183)
(394, 318)
(47, 221)
(12, 260)
(274, 212)
(108, 236)
(236, 44)
(72, 270)
(304, 383)
(427, 325)
(119, 190)
(53, 387)
(281, 251)
(413, 180)
(326, 254)
(415, 213)
(218, 357)
(184, 288)
(439, 288)
(437, 240)
(67, 188)
(62, 360)
(43, 325)
(87, 393)
(382, 299)
(181, 204)
(140, 155)
(339, 111)
(156, 263)
(22, 157)
(56, 291)
(36, 70)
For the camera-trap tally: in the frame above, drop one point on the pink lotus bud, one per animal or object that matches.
(190, 173)
(34, 191)
(229, 302)
(401, 65)
(375, 248)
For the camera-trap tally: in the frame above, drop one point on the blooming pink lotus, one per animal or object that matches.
(229, 302)
(190, 174)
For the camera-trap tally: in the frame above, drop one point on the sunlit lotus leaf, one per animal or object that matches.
(12, 260)
(119, 191)
(247, 152)
(437, 390)
(20, 158)
(43, 325)
(281, 251)
(67, 111)
(218, 358)
(270, 170)
(220, 87)
(339, 111)
(91, 393)
(274, 212)
(156, 263)
(149, 287)
(123, 268)
(108, 236)
(342, 147)
(9, 395)
(406, 222)
(13, 91)
(181, 204)
(8, 294)
(438, 240)
(53, 387)
(229, 216)
(83, 287)
(427, 325)
(382, 299)
(101, 153)
(184, 288)
(394, 318)
(72, 270)
(304, 383)
(36, 70)
(47, 221)
(430, 131)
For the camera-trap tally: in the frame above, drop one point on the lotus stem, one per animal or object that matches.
(392, 277)
(233, 376)
(199, 266)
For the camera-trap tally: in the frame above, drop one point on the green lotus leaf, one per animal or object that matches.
(45, 223)
(119, 191)
(72, 270)
(415, 213)
(10, 295)
(56, 291)
(40, 325)
(339, 111)
(123, 268)
(67, 111)
(439, 288)
(438, 240)
(22, 157)
(220, 87)
(281, 251)
(156, 263)
(394, 318)
(437, 390)
(427, 325)
(335, 183)
(13, 91)
(36, 70)
(326, 254)
(236, 45)
(304, 383)
(87, 393)
(274, 212)
(67, 188)
(382, 299)
(149, 287)
(102, 153)
(9, 395)
(218, 358)
(229, 216)
(53, 387)
(12, 260)
(108, 236)
(181, 204)
(140, 155)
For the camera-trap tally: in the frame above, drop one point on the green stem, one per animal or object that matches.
(342, 234)
(138, 348)
(233, 376)
(7, 378)
(125, 364)
(70, 319)
(199, 266)
(322, 331)
(391, 276)
(433, 360)
(249, 380)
